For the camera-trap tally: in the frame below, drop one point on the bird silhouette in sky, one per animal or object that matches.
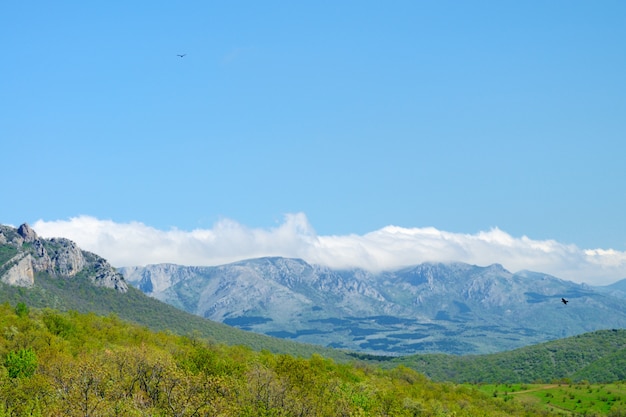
(564, 301)
(180, 55)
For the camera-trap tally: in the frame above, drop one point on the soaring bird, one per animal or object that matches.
(564, 301)
(180, 55)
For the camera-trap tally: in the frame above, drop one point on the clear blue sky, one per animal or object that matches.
(457, 115)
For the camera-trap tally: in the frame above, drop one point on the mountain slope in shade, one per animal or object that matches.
(433, 307)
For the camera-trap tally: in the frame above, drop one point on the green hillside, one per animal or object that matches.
(71, 364)
(595, 357)
(77, 293)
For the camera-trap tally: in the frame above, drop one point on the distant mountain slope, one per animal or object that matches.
(595, 357)
(451, 308)
(55, 273)
(617, 289)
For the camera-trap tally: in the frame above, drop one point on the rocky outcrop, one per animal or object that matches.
(27, 233)
(57, 257)
(103, 274)
(21, 272)
(67, 258)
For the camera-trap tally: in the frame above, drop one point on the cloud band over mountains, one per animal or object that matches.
(134, 243)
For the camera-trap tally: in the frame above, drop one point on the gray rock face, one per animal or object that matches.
(103, 274)
(57, 257)
(158, 278)
(67, 258)
(21, 272)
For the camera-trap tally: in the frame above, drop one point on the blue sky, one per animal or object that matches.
(459, 117)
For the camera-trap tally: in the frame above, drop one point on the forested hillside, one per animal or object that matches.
(78, 294)
(596, 357)
(71, 364)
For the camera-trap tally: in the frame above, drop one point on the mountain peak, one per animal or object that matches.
(27, 233)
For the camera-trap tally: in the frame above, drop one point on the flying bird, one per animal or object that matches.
(564, 301)
(180, 55)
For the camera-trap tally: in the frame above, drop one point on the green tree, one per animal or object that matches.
(21, 363)
(21, 310)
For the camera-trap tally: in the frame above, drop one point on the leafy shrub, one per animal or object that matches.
(21, 310)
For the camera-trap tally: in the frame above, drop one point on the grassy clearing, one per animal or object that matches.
(569, 399)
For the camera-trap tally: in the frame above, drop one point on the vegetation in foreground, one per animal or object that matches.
(581, 399)
(66, 363)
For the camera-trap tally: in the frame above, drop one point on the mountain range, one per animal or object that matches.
(432, 307)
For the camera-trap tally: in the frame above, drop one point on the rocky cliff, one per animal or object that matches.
(23, 255)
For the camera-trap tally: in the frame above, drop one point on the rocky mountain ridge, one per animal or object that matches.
(432, 307)
(23, 255)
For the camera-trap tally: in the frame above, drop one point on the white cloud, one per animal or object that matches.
(134, 243)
